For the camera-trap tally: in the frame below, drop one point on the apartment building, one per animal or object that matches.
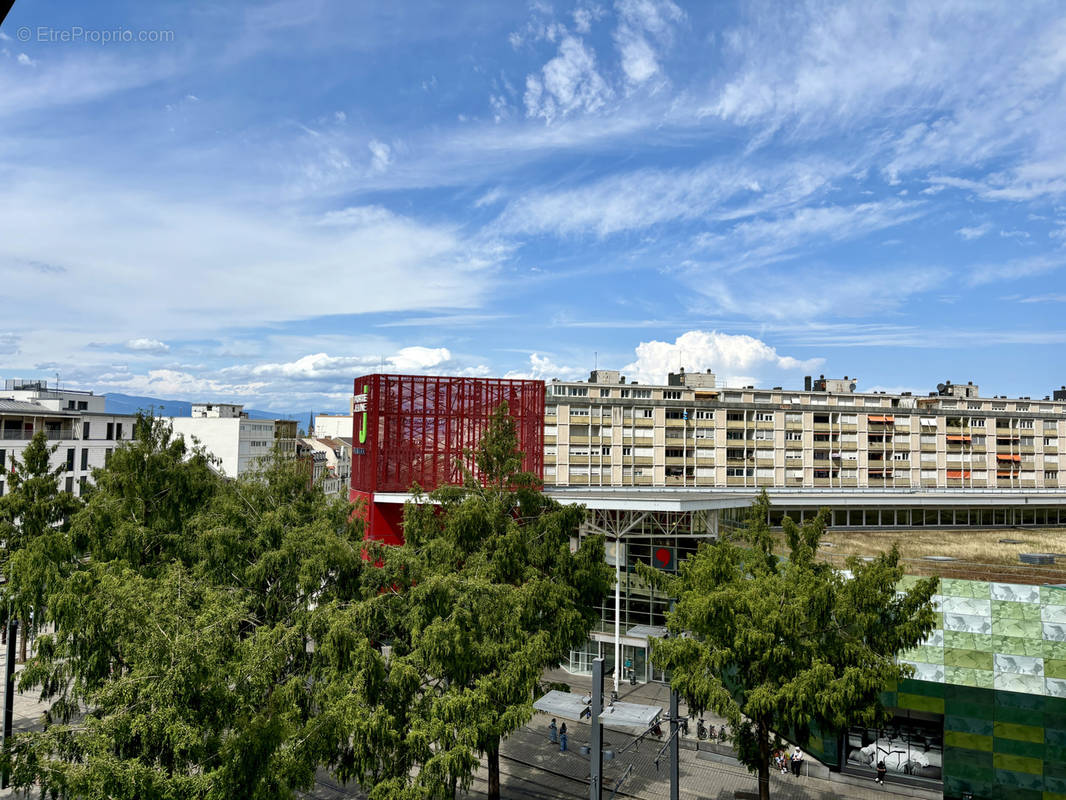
(226, 432)
(332, 460)
(75, 422)
(608, 433)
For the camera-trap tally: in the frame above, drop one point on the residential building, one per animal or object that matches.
(75, 422)
(237, 443)
(332, 460)
(335, 426)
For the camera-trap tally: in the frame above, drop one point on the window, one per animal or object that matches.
(794, 474)
(1051, 475)
(704, 433)
(118, 430)
(1, 488)
(579, 412)
(605, 392)
(821, 419)
(764, 436)
(930, 421)
(551, 430)
(578, 391)
(85, 430)
(927, 438)
(1021, 407)
(107, 455)
(644, 413)
(704, 414)
(627, 451)
(978, 441)
(675, 452)
(70, 459)
(734, 416)
(735, 453)
(669, 394)
(734, 435)
(642, 394)
(3, 458)
(85, 458)
(793, 436)
(1048, 442)
(110, 430)
(977, 422)
(766, 472)
(973, 406)
(1025, 423)
(81, 486)
(623, 393)
(764, 416)
(928, 474)
(999, 406)
(674, 413)
(83, 405)
(704, 452)
(794, 418)
(901, 456)
(738, 472)
(558, 389)
(928, 457)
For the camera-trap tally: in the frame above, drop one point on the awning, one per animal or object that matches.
(959, 437)
(958, 473)
(1007, 457)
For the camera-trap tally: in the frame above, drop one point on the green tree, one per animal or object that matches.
(33, 517)
(775, 645)
(493, 595)
(196, 651)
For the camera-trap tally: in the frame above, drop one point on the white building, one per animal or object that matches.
(74, 421)
(334, 426)
(226, 432)
(332, 462)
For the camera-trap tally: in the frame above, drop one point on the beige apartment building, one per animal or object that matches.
(690, 433)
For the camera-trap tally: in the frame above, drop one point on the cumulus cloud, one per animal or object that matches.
(569, 82)
(735, 359)
(321, 366)
(144, 345)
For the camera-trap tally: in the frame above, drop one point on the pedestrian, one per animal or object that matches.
(797, 761)
(786, 760)
(553, 732)
(881, 770)
(562, 738)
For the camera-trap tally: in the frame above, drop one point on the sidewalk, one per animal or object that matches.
(709, 772)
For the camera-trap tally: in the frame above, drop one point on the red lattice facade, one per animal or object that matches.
(412, 429)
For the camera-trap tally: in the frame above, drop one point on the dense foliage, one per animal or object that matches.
(775, 645)
(212, 638)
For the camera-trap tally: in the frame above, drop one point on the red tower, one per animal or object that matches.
(413, 429)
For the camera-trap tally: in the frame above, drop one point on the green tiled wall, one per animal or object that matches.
(996, 669)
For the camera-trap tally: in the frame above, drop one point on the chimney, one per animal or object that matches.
(807, 383)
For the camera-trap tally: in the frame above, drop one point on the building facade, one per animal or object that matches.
(75, 422)
(600, 433)
(237, 442)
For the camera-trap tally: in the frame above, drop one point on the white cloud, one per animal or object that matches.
(321, 366)
(170, 383)
(975, 231)
(640, 20)
(25, 60)
(641, 199)
(543, 368)
(1013, 270)
(221, 264)
(736, 360)
(147, 345)
(585, 16)
(382, 155)
(567, 83)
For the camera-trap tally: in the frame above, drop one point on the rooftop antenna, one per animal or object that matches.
(57, 380)
(596, 360)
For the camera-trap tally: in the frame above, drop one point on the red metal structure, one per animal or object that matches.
(413, 429)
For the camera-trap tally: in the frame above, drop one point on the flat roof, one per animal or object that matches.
(627, 498)
(627, 716)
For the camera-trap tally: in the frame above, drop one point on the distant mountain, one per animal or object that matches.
(117, 403)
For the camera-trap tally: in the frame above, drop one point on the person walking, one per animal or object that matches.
(881, 771)
(562, 738)
(797, 761)
(553, 732)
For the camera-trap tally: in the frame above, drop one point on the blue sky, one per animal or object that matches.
(259, 201)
